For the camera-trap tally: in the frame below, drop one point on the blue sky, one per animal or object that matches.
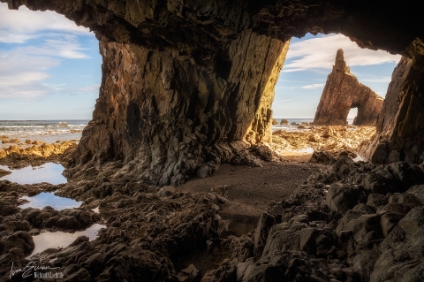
(51, 69)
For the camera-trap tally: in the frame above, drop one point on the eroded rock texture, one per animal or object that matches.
(352, 221)
(184, 80)
(166, 116)
(401, 125)
(342, 92)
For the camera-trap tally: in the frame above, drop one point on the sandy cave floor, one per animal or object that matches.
(250, 190)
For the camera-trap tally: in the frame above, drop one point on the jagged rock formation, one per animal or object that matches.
(184, 82)
(400, 130)
(342, 92)
(350, 222)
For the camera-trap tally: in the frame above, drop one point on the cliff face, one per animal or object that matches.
(342, 92)
(185, 81)
(400, 130)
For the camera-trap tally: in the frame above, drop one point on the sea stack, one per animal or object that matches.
(342, 92)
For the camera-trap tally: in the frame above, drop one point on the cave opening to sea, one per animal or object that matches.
(308, 63)
(328, 80)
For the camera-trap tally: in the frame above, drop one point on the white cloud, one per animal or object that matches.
(21, 75)
(64, 46)
(25, 69)
(320, 53)
(18, 26)
(23, 86)
(21, 78)
(313, 86)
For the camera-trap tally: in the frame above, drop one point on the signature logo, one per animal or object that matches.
(32, 268)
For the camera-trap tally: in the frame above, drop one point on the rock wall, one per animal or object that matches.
(342, 92)
(400, 130)
(164, 115)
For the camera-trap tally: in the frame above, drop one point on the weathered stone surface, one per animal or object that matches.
(68, 219)
(188, 108)
(322, 157)
(261, 233)
(417, 191)
(342, 92)
(400, 128)
(340, 198)
(401, 257)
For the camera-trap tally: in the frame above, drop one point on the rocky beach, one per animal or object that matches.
(317, 216)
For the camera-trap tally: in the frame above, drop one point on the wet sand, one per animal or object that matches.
(250, 190)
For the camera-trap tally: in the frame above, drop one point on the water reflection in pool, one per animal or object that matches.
(48, 172)
(60, 239)
(49, 199)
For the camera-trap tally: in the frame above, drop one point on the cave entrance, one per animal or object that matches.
(308, 63)
(49, 76)
(302, 81)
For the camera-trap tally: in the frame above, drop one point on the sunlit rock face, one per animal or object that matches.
(183, 80)
(342, 92)
(165, 115)
(400, 128)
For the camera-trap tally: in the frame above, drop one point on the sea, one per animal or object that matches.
(49, 131)
(289, 127)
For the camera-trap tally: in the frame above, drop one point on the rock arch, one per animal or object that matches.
(185, 82)
(342, 92)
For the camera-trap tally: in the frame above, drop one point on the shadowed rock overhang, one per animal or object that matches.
(187, 83)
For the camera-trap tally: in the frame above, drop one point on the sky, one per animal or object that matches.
(50, 68)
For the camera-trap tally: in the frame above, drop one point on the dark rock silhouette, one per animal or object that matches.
(400, 130)
(342, 92)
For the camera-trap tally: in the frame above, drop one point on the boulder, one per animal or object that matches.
(341, 197)
(322, 157)
(166, 191)
(266, 221)
(376, 200)
(264, 152)
(417, 191)
(188, 274)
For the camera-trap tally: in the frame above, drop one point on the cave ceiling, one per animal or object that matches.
(198, 27)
